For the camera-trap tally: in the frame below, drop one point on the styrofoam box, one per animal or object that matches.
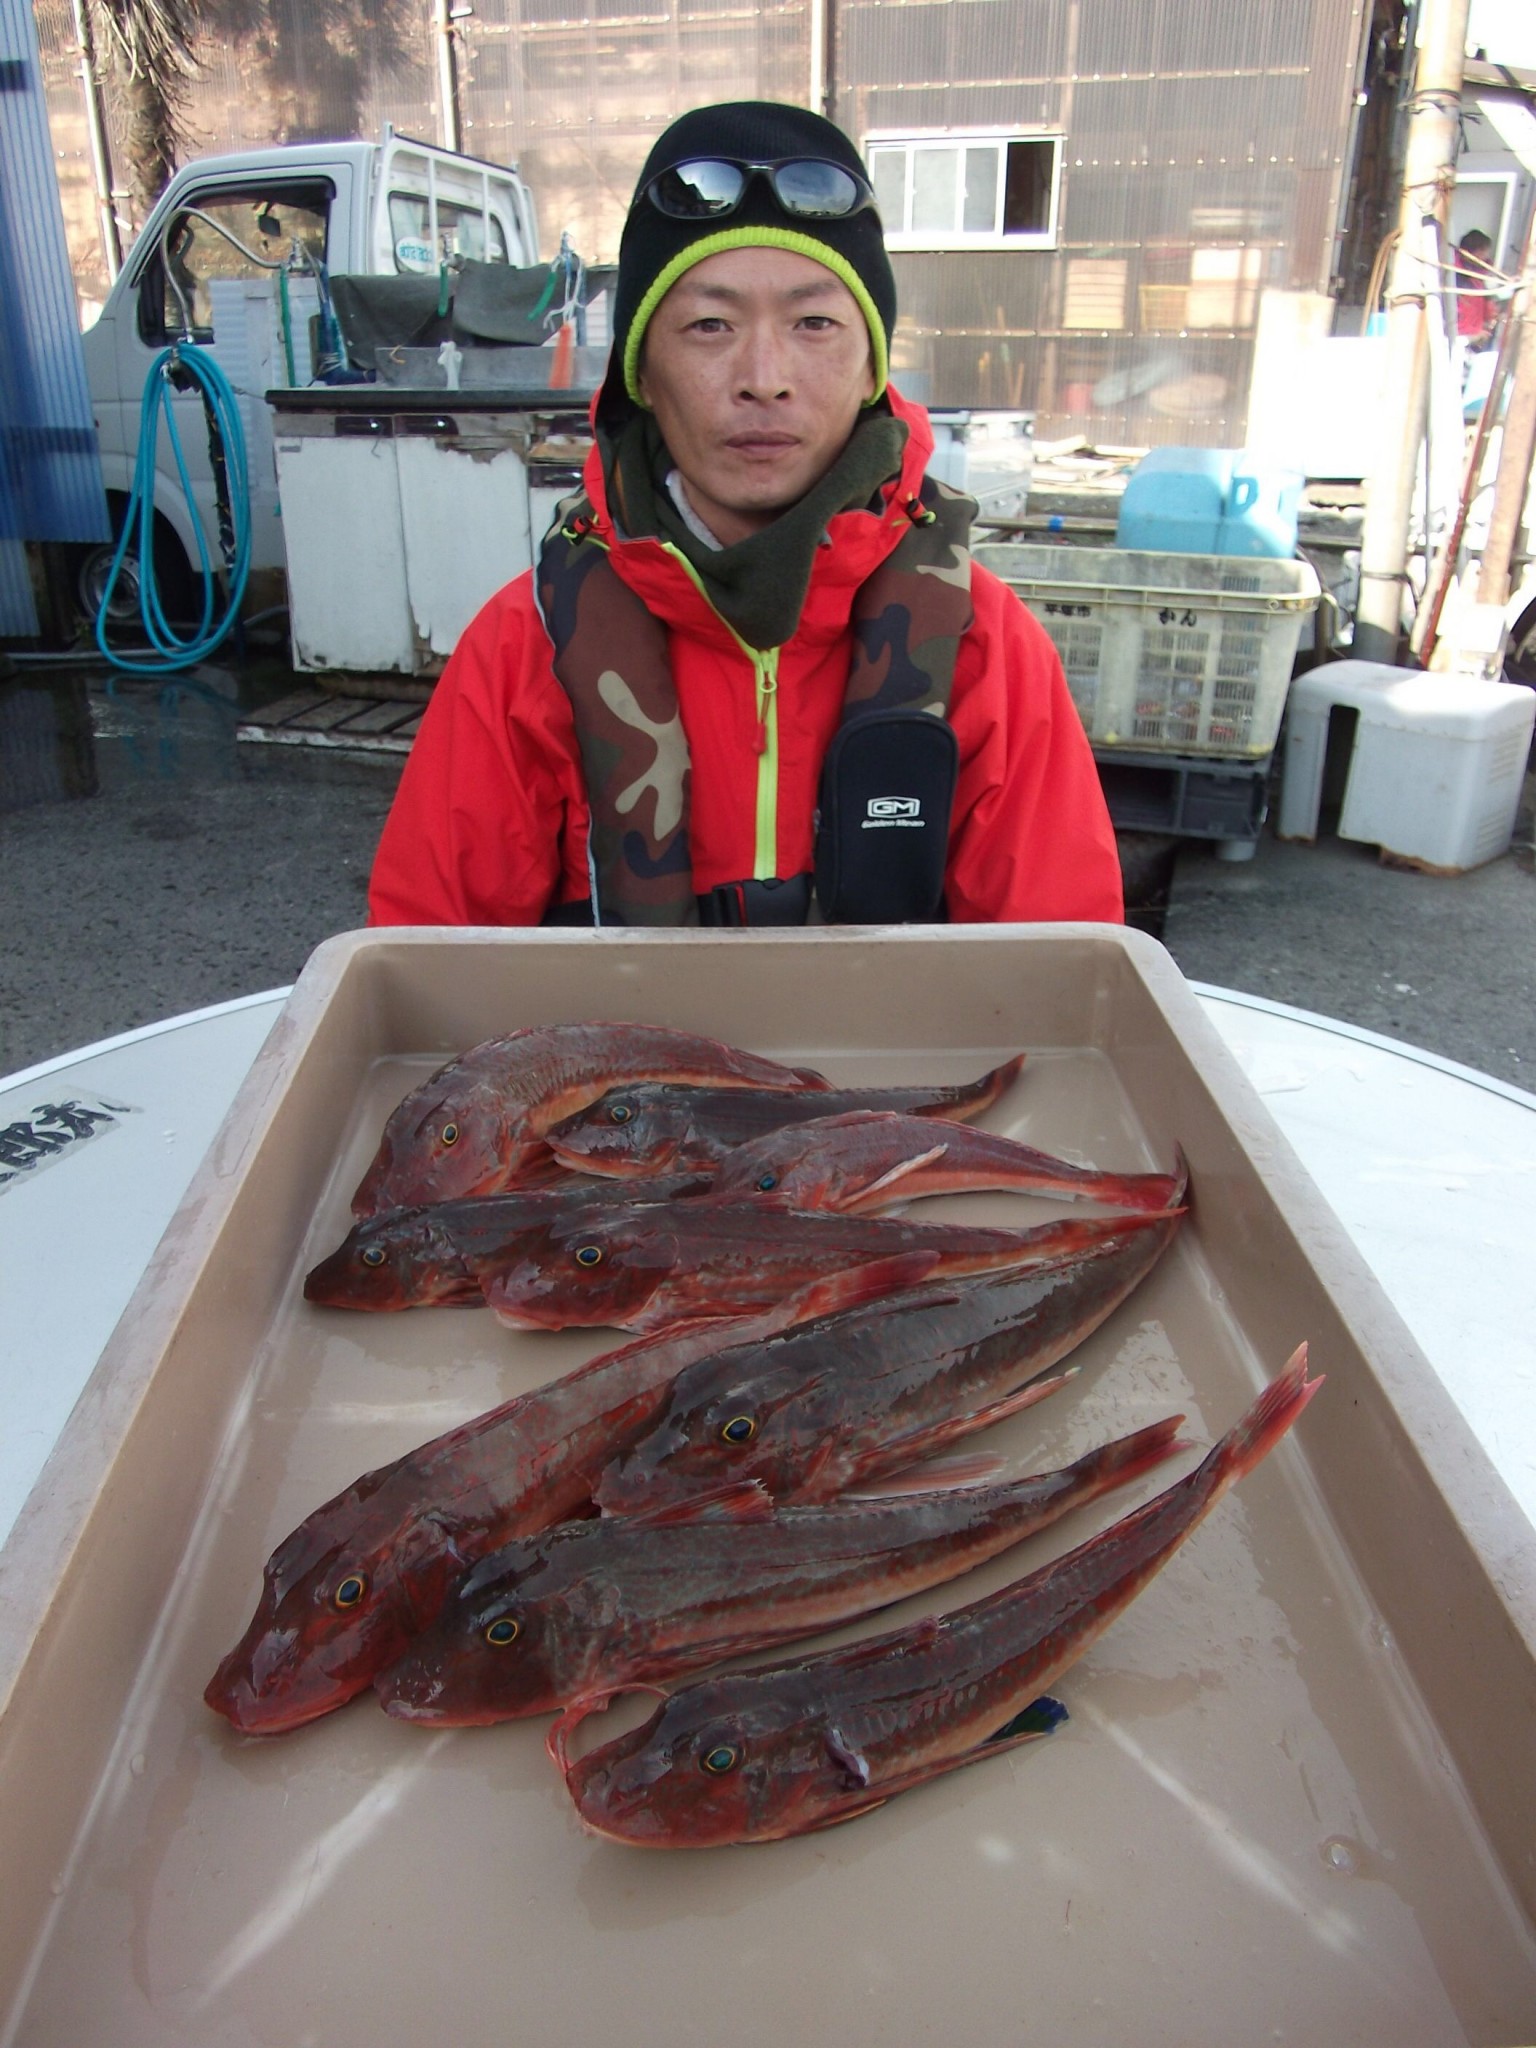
(1436, 768)
(1294, 1798)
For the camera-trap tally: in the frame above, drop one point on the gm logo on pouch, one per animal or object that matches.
(886, 811)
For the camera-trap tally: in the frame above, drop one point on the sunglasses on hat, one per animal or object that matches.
(807, 188)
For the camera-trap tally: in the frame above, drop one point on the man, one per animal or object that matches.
(1476, 309)
(754, 676)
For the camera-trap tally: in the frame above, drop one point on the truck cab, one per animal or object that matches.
(396, 206)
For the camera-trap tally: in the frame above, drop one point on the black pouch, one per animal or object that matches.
(882, 830)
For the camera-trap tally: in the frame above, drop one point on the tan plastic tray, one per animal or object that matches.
(1296, 1798)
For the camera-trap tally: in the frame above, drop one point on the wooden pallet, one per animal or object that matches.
(323, 718)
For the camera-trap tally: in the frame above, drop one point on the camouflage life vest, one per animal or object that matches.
(611, 658)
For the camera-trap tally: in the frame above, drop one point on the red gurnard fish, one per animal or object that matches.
(703, 1258)
(659, 1128)
(478, 1125)
(843, 1401)
(343, 1595)
(441, 1252)
(592, 1606)
(758, 1755)
(863, 1161)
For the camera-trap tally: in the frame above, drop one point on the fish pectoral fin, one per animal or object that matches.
(1038, 1719)
(944, 1475)
(736, 1500)
(854, 1767)
(955, 1427)
(835, 1820)
(856, 1285)
(881, 1189)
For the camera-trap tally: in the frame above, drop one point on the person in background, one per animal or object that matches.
(754, 676)
(1475, 306)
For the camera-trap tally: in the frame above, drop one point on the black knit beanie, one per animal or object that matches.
(656, 250)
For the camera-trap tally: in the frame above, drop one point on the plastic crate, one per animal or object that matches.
(1183, 654)
(1189, 799)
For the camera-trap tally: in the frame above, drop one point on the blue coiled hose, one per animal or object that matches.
(174, 652)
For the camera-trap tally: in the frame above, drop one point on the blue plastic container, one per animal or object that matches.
(1209, 501)
(1261, 510)
(1174, 500)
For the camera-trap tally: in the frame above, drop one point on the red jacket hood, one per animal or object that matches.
(860, 541)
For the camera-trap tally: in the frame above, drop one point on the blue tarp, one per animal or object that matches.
(50, 476)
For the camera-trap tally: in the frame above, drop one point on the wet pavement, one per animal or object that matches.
(203, 868)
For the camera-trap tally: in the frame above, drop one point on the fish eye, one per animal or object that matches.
(350, 1591)
(589, 1255)
(722, 1758)
(506, 1630)
(373, 1255)
(620, 1113)
(768, 1182)
(450, 1134)
(739, 1430)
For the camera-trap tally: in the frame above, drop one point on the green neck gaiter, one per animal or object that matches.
(757, 585)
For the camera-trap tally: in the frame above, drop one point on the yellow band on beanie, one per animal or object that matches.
(754, 238)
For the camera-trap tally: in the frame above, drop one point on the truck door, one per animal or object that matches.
(198, 276)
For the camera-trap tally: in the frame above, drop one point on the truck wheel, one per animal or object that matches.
(174, 578)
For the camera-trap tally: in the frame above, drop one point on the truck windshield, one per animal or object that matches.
(268, 220)
(461, 231)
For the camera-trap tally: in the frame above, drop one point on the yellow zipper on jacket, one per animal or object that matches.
(765, 679)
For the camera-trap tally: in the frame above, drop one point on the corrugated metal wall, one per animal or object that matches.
(50, 480)
(1203, 155)
(577, 95)
(1203, 159)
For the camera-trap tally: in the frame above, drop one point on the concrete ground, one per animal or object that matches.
(203, 868)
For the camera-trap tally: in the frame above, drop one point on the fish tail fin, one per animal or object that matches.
(1150, 1194)
(1257, 1432)
(968, 1101)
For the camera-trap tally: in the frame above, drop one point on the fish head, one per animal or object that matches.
(492, 1653)
(449, 1137)
(339, 1602)
(831, 1163)
(405, 1258)
(729, 1418)
(628, 1131)
(584, 1272)
(725, 1760)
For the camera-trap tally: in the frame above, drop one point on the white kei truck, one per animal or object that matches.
(386, 208)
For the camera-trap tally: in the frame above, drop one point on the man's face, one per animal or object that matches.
(755, 364)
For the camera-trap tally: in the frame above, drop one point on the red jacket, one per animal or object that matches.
(490, 822)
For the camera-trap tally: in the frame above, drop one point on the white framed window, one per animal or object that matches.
(981, 189)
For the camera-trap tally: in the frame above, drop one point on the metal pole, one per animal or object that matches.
(1516, 448)
(1428, 173)
(447, 72)
(1426, 626)
(822, 92)
(96, 130)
